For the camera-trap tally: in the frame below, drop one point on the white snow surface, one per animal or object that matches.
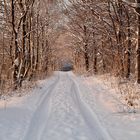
(67, 107)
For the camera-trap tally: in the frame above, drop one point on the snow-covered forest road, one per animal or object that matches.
(55, 110)
(61, 114)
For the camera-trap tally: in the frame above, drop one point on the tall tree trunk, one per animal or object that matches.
(86, 57)
(16, 62)
(94, 55)
(138, 43)
(86, 49)
(23, 58)
(95, 59)
(128, 52)
(120, 38)
(37, 47)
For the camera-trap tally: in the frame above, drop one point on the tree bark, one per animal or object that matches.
(86, 49)
(15, 73)
(138, 43)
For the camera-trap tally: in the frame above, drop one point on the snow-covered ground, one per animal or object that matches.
(66, 107)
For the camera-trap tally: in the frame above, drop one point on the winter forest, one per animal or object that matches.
(101, 36)
(97, 38)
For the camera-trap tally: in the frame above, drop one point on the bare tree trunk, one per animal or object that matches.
(128, 49)
(15, 73)
(23, 57)
(94, 54)
(95, 59)
(102, 55)
(86, 57)
(138, 44)
(46, 57)
(37, 47)
(86, 49)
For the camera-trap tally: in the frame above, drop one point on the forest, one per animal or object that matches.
(98, 37)
(69, 69)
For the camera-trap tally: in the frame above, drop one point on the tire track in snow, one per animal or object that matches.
(41, 114)
(97, 131)
(69, 119)
(65, 121)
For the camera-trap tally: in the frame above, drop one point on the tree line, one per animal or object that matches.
(24, 46)
(107, 35)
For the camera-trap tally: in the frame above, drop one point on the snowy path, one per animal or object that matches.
(62, 115)
(59, 114)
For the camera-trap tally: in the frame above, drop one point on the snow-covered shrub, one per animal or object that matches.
(130, 95)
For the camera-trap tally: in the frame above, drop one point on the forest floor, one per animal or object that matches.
(68, 107)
